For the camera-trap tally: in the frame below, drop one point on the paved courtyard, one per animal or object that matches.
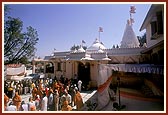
(132, 103)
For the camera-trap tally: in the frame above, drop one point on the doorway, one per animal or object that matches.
(84, 73)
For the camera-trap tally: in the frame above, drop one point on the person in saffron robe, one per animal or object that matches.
(6, 100)
(33, 108)
(66, 107)
(34, 93)
(17, 100)
(78, 100)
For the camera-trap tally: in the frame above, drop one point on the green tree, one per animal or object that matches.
(142, 39)
(6, 10)
(18, 45)
(74, 47)
(24, 60)
(77, 47)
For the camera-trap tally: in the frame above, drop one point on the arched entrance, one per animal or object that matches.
(49, 67)
(84, 73)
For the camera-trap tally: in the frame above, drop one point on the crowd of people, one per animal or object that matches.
(46, 95)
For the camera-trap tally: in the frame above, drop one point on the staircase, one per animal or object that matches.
(147, 91)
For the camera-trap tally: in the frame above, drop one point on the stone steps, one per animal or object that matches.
(147, 91)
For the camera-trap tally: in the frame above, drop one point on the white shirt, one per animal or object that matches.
(25, 107)
(11, 108)
(66, 98)
(31, 104)
(44, 104)
(79, 83)
(50, 99)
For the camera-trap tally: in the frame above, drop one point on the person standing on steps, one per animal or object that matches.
(80, 85)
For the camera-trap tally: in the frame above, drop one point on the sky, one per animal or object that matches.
(60, 26)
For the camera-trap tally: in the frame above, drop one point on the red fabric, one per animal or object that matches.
(104, 85)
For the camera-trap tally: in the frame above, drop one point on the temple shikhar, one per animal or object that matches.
(85, 63)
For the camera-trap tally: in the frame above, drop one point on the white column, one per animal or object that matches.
(45, 67)
(54, 68)
(34, 67)
(72, 68)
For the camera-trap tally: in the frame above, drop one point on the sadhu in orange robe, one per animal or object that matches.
(17, 100)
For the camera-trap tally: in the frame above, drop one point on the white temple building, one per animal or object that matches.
(85, 63)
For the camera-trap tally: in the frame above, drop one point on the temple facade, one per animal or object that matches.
(85, 63)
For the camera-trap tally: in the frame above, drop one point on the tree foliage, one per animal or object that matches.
(142, 39)
(18, 45)
(76, 47)
(6, 10)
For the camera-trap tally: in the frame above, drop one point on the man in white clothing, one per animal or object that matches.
(56, 100)
(44, 102)
(79, 85)
(31, 103)
(51, 100)
(11, 107)
(24, 106)
(66, 97)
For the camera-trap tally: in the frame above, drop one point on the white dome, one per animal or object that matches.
(74, 50)
(80, 49)
(96, 45)
(87, 57)
(100, 51)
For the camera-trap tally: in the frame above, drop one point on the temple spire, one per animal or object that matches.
(129, 39)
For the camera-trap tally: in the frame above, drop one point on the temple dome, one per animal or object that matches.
(80, 49)
(100, 50)
(97, 45)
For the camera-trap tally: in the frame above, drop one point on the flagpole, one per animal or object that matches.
(100, 30)
(99, 35)
(130, 18)
(81, 43)
(132, 11)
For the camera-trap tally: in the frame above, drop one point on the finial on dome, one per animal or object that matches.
(128, 22)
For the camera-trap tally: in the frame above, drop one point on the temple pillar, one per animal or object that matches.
(44, 67)
(55, 69)
(34, 66)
